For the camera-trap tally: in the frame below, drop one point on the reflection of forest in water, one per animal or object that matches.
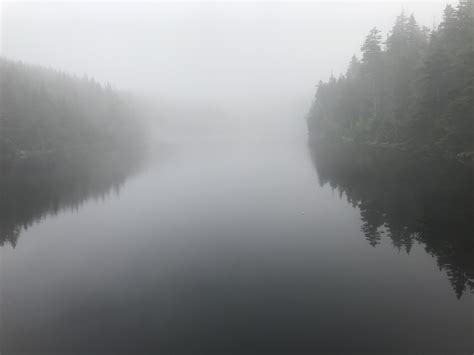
(33, 190)
(407, 199)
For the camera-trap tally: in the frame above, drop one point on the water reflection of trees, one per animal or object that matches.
(407, 199)
(31, 191)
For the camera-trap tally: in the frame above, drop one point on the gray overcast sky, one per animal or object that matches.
(230, 54)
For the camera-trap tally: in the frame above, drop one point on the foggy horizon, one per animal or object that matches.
(230, 57)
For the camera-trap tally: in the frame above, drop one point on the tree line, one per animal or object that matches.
(49, 115)
(63, 140)
(415, 90)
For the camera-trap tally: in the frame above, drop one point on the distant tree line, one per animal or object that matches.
(415, 90)
(47, 115)
(63, 140)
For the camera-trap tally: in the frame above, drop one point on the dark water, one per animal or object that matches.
(237, 249)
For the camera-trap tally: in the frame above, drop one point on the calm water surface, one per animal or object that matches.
(238, 248)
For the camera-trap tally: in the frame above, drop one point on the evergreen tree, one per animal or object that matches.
(48, 115)
(416, 93)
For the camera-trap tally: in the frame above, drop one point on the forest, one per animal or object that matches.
(412, 91)
(49, 117)
(63, 139)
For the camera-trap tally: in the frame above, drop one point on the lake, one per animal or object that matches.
(238, 248)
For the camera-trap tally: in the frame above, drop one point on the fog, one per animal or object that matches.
(221, 67)
(190, 177)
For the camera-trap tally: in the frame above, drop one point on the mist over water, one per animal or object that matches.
(232, 232)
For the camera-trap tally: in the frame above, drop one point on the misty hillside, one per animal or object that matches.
(414, 90)
(49, 115)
